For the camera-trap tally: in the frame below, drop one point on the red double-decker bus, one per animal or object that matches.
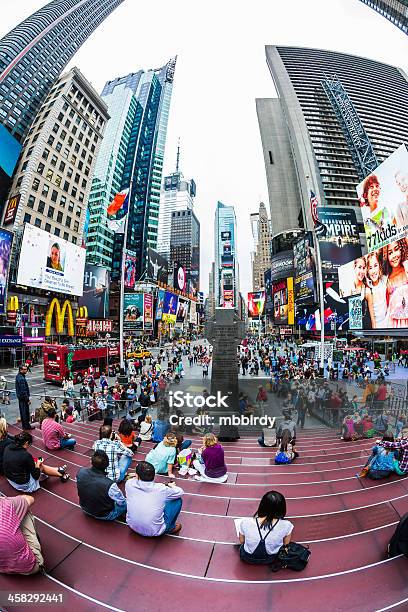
(58, 356)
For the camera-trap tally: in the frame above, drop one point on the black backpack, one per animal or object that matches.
(399, 542)
(293, 556)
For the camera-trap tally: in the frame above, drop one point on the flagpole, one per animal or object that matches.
(122, 290)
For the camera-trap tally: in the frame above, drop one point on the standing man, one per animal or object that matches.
(23, 396)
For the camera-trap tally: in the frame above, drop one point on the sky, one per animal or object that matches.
(221, 70)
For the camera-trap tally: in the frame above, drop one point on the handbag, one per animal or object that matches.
(293, 556)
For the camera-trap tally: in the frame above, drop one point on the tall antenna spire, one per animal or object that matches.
(178, 156)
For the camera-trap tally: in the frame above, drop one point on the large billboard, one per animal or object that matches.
(304, 265)
(148, 311)
(9, 151)
(170, 305)
(268, 293)
(157, 267)
(341, 241)
(182, 310)
(380, 279)
(11, 209)
(256, 304)
(130, 270)
(336, 312)
(283, 301)
(159, 305)
(133, 308)
(383, 199)
(95, 292)
(179, 277)
(50, 263)
(282, 265)
(6, 239)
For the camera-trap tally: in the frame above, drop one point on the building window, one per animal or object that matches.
(50, 139)
(59, 217)
(27, 218)
(66, 236)
(45, 154)
(54, 160)
(40, 168)
(68, 221)
(74, 240)
(78, 211)
(47, 227)
(51, 211)
(57, 231)
(58, 180)
(71, 206)
(62, 166)
(49, 175)
(31, 201)
(41, 206)
(45, 190)
(270, 158)
(37, 222)
(63, 201)
(54, 195)
(36, 184)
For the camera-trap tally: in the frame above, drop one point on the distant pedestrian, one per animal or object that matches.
(23, 396)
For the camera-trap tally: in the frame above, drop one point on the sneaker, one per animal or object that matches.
(176, 529)
(197, 478)
(183, 471)
(192, 471)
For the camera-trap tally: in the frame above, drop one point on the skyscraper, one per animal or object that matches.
(35, 52)
(132, 155)
(177, 194)
(226, 270)
(395, 11)
(185, 246)
(344, 115)
(262, 256)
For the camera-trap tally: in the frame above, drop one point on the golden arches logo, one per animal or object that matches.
(60, 317)
(13, 303)
(83, 312)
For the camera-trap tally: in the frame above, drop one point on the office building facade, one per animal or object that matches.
(226, 269)
(185, 246)
(343, 115)
(177, 194)
(53, 177)
(395, 11)
(35, 52)
(261, 260)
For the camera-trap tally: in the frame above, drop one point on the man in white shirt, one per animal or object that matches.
(152, 507)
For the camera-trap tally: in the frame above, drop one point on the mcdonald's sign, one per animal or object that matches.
(83, 312)
(13, 303)
(59, 318)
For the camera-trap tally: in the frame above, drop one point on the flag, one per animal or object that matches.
(119, 202)
(313, 208)
(117, 225)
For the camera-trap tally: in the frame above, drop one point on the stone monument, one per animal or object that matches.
(225, 332)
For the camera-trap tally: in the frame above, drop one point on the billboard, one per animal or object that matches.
(383, 199)
(182, 310)
(170, 304)
(381, 280)
(6, 240)
(130, 270)
(95, 291)
(193, 313)
(355, 313)
(50, 263)
(159, 304)
(179, 277)
(9, 151)
(228, 298)
(157, 267)
(304, 268)
(283, 301)
(256, 304)
(11, 209)
(268, 293)
(282, 265)
(148, 312)
(225, 236)
(340, 242)
(133, 311)
(336, 312)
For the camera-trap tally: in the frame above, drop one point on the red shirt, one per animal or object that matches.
(16, 556)
(52, 432)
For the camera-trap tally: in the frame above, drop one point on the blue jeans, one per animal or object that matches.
(124, 465)
(115, 513)
(172, 509)
(185, 444)
(67, 442)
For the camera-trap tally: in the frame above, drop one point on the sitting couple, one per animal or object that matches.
(151, 508)
(387, 456)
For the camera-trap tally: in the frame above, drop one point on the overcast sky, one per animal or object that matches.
(221, 69)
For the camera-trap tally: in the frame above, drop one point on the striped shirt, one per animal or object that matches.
(52, 432)
(113, 449)
(403, 445)
(16, 556)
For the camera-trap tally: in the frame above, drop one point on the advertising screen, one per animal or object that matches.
(170, 305)
(179, 277)
(193, 313)
(282, 265)
(50, 263)
(381, 280)
(256, 303)
(268, 293)
(9, 151)
(133, 311)
(130, 270)
(355, 313)
(336, 312)
(159, 304)
(341, 242)
(11, 209)
(157, 266)
(283, 301)
(225, 236)
(228, 295)
(304, 265)
(148, 312)
(383, 199)
(182, 310)
(6, 239)
(95, 292)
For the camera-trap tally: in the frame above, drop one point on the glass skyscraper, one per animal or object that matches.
(35, 52)
(132, 155)
(395, 11)
(226, 271)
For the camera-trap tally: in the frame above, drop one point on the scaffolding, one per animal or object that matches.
(360, 146)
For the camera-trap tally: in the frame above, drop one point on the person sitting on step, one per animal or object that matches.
(99, 496)
(211, 463)
(19, 544)
(120, 457)
(53, 434)
(163, 457)
(287, 450)
(152, 507)
(262, 536)
(20, 468)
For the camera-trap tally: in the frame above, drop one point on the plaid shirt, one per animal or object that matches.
(113, 449)
(403, 444)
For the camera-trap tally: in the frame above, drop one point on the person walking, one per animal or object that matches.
(23, 396)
